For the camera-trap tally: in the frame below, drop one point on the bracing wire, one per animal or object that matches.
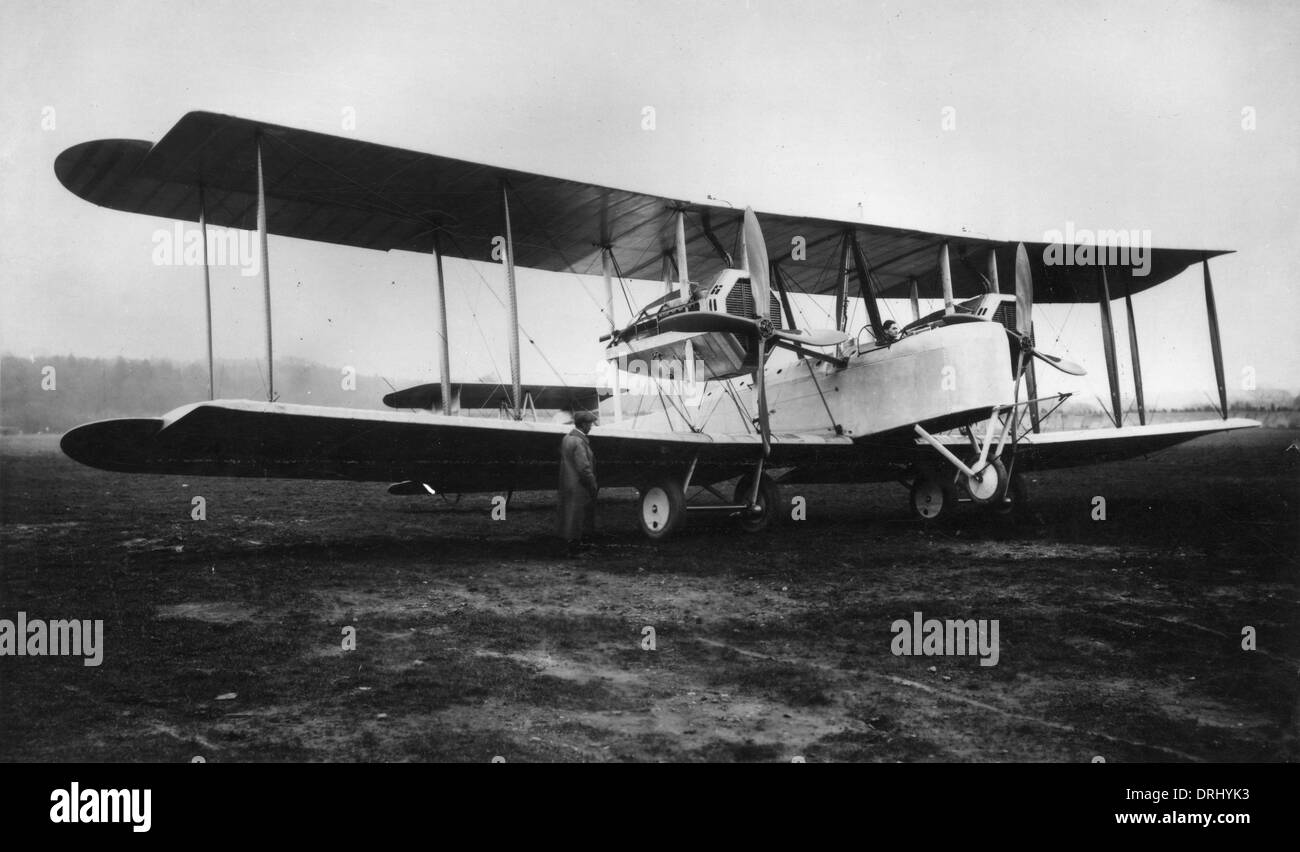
(488, 286)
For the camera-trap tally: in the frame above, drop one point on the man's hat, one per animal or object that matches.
(581, 417)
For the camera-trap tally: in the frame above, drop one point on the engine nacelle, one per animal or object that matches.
(716, 354)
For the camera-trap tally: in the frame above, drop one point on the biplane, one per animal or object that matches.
(946, 405)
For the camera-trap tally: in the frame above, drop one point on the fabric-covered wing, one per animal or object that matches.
(350, 192)
(886, 457)
(479, 454)
(457, 454)
(428, 397)
(1048, 450)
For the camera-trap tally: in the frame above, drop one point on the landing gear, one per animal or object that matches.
(988, 485)
(983, 479)
(930, 496)
(663, 508)
(1016, 498)
(769, 502)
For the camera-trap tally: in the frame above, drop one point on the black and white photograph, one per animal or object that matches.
(650, 381)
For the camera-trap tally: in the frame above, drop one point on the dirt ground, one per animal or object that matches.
(1119, 639)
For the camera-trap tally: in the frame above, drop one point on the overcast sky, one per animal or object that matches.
(1175, 118)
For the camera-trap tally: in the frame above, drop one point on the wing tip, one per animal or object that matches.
(116, 445)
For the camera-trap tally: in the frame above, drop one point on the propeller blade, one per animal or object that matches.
(1024, 292)
(760, 381)
(1063, 364)
(756, 256)
(813, 336)
(1059, 363)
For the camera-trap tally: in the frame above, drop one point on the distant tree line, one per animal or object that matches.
(1277, 401)
(56, 393)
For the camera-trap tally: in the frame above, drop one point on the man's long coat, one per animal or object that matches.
(577, 486)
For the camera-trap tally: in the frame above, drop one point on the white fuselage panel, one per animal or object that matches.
(922, 377)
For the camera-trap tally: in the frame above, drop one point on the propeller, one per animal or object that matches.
(1024, 293)
(756, 257)
(1025, 317)
(761, 289)
(1062, 364)
(759, 328)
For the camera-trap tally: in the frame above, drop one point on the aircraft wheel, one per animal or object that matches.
(1016, 499)
(990, 486)
(769, 502)
(930, 496)
(662, 508)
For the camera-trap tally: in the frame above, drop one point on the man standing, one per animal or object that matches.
(577, 484)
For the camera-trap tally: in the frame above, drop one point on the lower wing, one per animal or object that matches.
(455, 454)
(891, 455)
(459, 454)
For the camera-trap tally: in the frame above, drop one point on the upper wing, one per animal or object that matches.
(346, 191)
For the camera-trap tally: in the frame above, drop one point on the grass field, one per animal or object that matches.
(1119, 638)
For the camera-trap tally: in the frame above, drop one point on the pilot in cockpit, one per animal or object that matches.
(891, 332)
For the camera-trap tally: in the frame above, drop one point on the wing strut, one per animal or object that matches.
(1108, 340)
(609, 287)
(842, 286)
(1133, 348)
(207, 290)
(445, 364)
(1215, 348)
(683, 282)
(516, 397)
(945, 277)
(609, 306)
(266, 269)
(866, 288)
(706, 224)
